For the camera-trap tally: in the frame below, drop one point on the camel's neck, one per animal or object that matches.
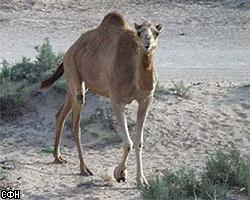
(147, 72)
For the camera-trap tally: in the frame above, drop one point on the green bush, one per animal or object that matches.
(5, 73)
(229, 170)
(33, 71)
(12, 102)
(172, 186)
(180, 89)
(23, 73)
(3, 176)
(23, 70)
(213, 190)
(48, 150)
(224, 173)
(46, 60)
(160, 90)
(113, 137)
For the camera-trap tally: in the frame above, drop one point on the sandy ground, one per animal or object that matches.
(206, 44)
(179, 132)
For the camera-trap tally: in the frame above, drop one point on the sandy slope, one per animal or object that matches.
(179, 132)
(213, 50)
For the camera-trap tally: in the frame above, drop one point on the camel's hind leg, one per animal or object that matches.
(120, 171)
(76, 111)
(60, 119)
(76, 90)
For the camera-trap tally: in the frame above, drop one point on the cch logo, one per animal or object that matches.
(10, 194)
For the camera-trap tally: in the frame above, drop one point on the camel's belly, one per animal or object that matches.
(99, 87)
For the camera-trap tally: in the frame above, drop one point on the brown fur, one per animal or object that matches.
(147, 74)
(110, 61)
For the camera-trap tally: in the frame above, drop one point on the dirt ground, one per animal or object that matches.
(205, 44)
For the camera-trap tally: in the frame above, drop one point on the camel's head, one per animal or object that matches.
(148, 34)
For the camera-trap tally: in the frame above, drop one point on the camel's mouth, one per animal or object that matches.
(148, 48)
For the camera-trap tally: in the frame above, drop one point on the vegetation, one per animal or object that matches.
(224, 173)
(11, 100)
(48, 150)
(2, 175)
(173, 185)
(180, 89)
(113, 137)
(32, 71)
(15, 80)
(160, 90)
(106, 117)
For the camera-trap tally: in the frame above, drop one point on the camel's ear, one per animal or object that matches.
(159, 27)
(137, 26)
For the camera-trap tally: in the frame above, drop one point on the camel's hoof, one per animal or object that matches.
(86, 172)
(123, 179)
(120, 176)
(59, 160)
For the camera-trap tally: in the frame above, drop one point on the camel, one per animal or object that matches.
(115, 61)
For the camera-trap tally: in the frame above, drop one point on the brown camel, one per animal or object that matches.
(117, 62)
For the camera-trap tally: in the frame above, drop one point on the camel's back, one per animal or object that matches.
(113, 21)
(101, 39)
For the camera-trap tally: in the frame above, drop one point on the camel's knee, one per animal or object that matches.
(127, 146)
(138, 145)
(80, 98)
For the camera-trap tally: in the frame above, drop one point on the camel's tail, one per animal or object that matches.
(57, 74)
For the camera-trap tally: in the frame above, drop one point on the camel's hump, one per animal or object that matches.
(113, 18)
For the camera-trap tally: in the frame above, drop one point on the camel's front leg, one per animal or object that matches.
(120, 170)
(138, 143)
